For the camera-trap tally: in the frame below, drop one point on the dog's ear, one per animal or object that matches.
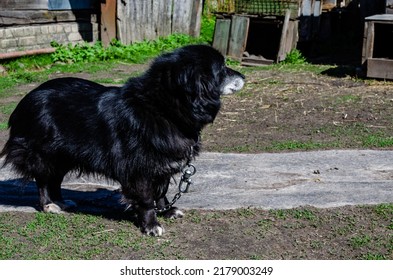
(196, 82)
(188, 80)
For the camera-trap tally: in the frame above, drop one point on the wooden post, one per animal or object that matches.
(108, 21)
(238, 37)
(368, 41)
(283, 48)
(221, 35)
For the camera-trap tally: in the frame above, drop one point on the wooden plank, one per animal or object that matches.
(368, 41)
(139, 20)
(381, 18)
(389, 6)
(283, 49)
(146, 27)
(108, 21)
(24, 4)
(221, 35)
(131, 20)
(307, 8)
(380, 68)
(195, 20)
(134, 18)
(256, 62)
(238, 36)
(18, 17)
(122, 10)
(292, 36)
(181, 16)
(163, 14)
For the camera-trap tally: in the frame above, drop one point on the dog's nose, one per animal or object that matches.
(239, 83)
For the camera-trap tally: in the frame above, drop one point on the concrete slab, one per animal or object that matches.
(228, 181)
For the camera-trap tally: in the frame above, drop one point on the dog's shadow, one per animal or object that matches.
(21, 195)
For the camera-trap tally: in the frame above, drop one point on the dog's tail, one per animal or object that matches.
(23, 161)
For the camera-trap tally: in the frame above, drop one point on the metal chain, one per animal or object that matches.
(185, 178)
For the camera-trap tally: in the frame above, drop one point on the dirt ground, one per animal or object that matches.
(281, 110)
(286, 110)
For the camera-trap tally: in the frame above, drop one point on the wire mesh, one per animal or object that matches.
(260, 7)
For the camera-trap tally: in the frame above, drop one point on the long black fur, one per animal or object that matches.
(140, 134)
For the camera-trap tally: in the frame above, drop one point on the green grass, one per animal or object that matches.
(385, 210)
(83, 236)
(287, 67)
(296, 145)
(49, 236)
(7, 108)
(18, 76)
(349, 99)
(377, 141)
(294, 57)
(85, 57)
(134, 53)
(360, 241)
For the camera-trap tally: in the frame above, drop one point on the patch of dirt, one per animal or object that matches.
(299, 110)
(277, 110)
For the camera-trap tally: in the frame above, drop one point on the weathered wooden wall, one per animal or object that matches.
(139, 20)
(27, 12)
(34, 24)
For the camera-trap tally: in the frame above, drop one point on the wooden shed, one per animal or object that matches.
(377, 55)
(263, 31)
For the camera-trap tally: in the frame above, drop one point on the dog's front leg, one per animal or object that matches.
(142, 200)
(148, 222)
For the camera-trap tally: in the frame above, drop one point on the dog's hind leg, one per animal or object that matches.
(46, 203)
(49, 189)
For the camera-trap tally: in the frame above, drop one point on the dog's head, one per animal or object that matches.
(198, 76)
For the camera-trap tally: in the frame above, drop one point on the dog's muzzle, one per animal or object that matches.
(233, 82)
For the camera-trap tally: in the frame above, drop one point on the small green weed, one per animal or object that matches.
(295, 57)
(304, 214)
(245, 212)
(264, 225)
(207, 28)
(295, 145)
(371, 256)
(349, 99)
(3, 125)
(360, 241)
(279, 213)
(24, 63)
(385, 210)
(135, 53)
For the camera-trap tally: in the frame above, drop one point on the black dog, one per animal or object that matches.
(139, 135)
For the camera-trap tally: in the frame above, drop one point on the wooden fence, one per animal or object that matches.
(139, 20)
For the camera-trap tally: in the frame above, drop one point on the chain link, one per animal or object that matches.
(185, 178)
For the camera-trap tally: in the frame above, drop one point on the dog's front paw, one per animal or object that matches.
(156, 230)
(59, 206)
(52, 208)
